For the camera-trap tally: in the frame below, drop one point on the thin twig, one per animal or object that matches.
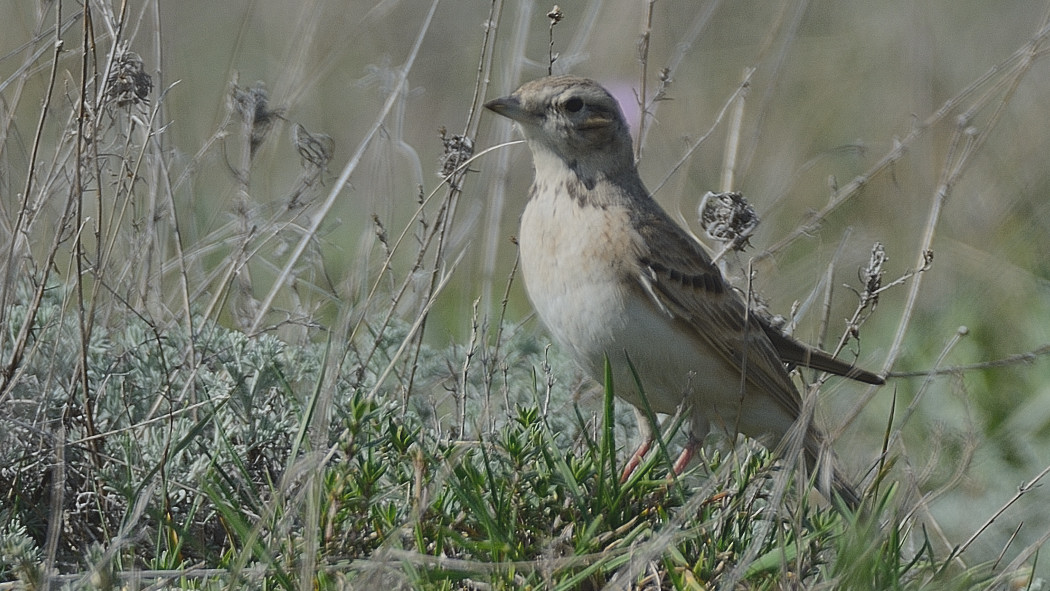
(643, 59)
(501, 319)
(337, 188)
(1022, 490)
(401, 349)
(481, 79)
(495, 203)
(1015, 359)
(714, 125)
(965, 144)
(927, 383)
(468, 356)
(83, 315)
(682, 49)
(21, 340)
(400, 239)
(555, 15)
(1025, 55)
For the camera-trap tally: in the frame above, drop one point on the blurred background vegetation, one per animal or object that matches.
(833, 88)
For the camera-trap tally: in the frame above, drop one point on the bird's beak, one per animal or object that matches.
(509, 107)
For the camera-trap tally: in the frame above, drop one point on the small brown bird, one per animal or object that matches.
(611, 274)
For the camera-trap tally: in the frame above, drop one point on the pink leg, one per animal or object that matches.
(687, 454)
(698, 430)
(636, 459)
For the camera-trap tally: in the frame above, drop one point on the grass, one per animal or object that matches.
(227, 490)
(221, 367)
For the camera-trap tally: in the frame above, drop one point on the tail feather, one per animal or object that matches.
(792, 350)
(829, 479)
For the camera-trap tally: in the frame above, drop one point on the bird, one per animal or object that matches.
(613, 277)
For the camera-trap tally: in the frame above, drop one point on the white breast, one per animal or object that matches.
(578, 263)
(570, 256)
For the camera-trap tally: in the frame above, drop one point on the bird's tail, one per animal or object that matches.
(796, 352)
(830, 481)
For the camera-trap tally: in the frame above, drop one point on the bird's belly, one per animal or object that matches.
(573, 261)
(670, 365)
(571, 275)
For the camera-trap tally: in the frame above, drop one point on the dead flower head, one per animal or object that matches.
(128, 83)
(458, 149)
(728, 218)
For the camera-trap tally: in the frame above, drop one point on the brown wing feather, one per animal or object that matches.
(679, 274)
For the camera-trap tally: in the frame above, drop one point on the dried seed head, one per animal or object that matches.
(458, 149)
(555, 15)
(728, 218)
(128, 84)
(253, 104)
(315, 150)
(871, 276)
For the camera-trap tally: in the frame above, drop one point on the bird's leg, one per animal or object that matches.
(687, 455)
(699, 427)
(645, 433)
(636, 459)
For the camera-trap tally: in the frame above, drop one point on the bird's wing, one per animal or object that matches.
(680, 278)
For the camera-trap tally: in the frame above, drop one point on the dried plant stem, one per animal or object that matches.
(86, 315)
(448, 210)
(404, 344)
(481, 80)
(643, 58)
(1032, 549)
(497, 196)
(965, 143)
(177, 243)
(396, 245)
(19, 345)
(1007, 361)
(555, 15)
(502, 319)
(468, 356)
(1021, 491)
(682, 48)
(733, 139)
(344, 176)
(1017, 64)
(925, 387)
(703, 137)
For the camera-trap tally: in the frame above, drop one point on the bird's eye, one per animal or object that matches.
(574, 104)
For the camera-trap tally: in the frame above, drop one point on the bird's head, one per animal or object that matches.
(572, 118)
